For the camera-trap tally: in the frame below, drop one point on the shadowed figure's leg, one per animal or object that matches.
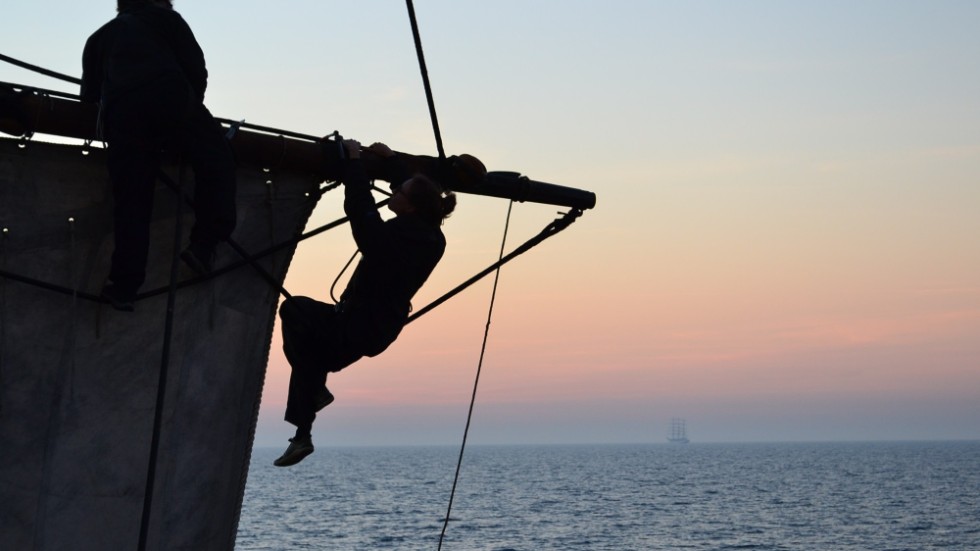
(133, 160)
(211, 156)
(313, 343)
(306, 323)
(133, 171)
(139, 125)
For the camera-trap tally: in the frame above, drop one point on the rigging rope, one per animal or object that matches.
(442, 157)
(73, 275)
(164, 364)
(229, 122)
(73, 310)
(550, 230)
(3, 303)
(476, 383)
(41, 70)
(425, 79)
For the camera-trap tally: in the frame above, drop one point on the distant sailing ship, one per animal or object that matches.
(678, 431)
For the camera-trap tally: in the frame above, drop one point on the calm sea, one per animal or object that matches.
(813, 497)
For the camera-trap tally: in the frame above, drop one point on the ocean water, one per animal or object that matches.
(913, 496)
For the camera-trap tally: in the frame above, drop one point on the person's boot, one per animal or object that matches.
(299, 448)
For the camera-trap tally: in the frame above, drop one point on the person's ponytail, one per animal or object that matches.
(431, 202)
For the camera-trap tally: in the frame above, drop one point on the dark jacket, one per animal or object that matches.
(140, 47)
(398, 256)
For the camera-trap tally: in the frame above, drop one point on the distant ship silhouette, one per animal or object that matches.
(678, 431)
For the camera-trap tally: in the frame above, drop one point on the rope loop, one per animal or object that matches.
(333, 286)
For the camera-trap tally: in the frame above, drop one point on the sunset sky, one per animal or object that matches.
(786, 244)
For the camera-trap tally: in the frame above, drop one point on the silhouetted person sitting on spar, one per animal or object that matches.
(397, 257)
(147, 71)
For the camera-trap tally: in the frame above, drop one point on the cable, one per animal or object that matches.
(425, 79)
(4, 274)
(333, 285)
(41, 70)
(476, 383)
(3, 304)
(164, 363)
(550, 230)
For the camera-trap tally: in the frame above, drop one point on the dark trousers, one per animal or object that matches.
(138, 128)
(316, 341)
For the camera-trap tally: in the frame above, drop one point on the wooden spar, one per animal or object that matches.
(26, 113)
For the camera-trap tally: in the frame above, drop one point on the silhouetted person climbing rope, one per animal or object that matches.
(147, 72)
(397, 257)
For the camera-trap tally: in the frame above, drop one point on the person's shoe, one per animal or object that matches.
(199, 257)
(323, 398)
(121, 300)
(298, 449)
